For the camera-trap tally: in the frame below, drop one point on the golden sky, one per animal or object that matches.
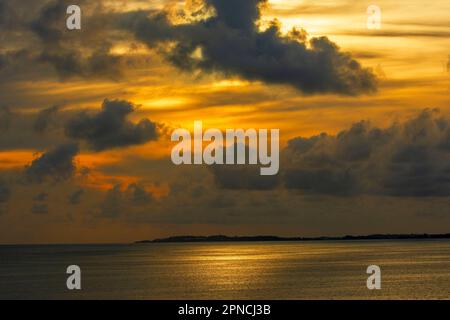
(409, 56)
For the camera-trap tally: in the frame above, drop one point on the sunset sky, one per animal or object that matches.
(86, 117)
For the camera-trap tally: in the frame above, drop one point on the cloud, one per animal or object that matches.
(112, 206)
(138, 194)
(56, 164)
(45, 118)
(41, 196)
(8, 16)
(49, 25)
(5, 192)
(322, 181)
(70, 63)
(409, 159)
(19, 129)
(3, 61)
(243, 177)
(228, 41)
(110, 127)
(75, 197)
(231, 43)
(39, 208)
(6, 117)
(119, 201)
(44, 36)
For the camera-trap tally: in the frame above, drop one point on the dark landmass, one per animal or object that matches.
(221, 238)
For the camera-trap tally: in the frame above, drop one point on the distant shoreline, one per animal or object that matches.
(222, 238)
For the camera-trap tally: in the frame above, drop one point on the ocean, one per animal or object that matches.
(245, 270)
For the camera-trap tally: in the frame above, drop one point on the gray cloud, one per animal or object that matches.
(231, 43)
(409, 159)
(8, 16)
(18, 129)
(243, 177)
(44, 37)
(39, 208)
(69, 63)
(6, 116)
(138, 194)
(110, 127)
(41, 196)
(56, 164)
(112, 205)
(119, 201)
(45, 118)
(49, 25)
(75, 197)
(5, 192)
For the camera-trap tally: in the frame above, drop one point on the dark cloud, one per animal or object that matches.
(18, 129)
(84, 53)
(5, 192)
(69, 63)
(39, 208)
(138, 194)
(3, 11)
(16, 64)
(322, 181)
(6, 116)
(75, 198)
(2, 61)
(231, 43)
(110, 127)
(242, 177)
(410, 159)
(8, 16)
(49, 25)
(120, 200)
(45, 118)
(102, 63)
(41, 196)
(56, 164)
(112, 206)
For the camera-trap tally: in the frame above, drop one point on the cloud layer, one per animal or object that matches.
(231, 43)
(110, 127)
(217, 41)
(57, 164)
(409, 159)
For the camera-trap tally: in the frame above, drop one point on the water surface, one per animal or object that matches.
(251, 270)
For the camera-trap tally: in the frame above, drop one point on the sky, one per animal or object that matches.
(86, 117)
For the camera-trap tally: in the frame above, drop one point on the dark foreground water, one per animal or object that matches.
(282, 270)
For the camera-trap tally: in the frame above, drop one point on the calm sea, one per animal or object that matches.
(282, 270)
